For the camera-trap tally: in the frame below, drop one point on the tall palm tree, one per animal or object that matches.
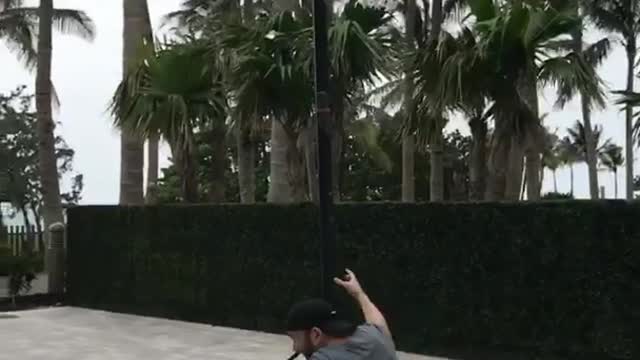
(77, 22)
(136, 32)
(198, 15)
(612, 158)
(577, 134)
(408, 139)
(593, 55)
(437, 139)
(622, 17)
(569, 155)
(552, 162)
(269, 60)
(245, 138)
(361, 46)
(174, 93)
(551, 156)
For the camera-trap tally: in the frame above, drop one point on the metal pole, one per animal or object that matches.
(324, 122)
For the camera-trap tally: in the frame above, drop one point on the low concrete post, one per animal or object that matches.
(55, 255)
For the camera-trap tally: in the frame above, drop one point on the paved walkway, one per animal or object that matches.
(68, 333)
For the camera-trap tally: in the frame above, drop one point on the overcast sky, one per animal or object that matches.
(86, 74)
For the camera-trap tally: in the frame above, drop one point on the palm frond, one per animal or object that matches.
(19, 32)
(453, 9)
(611, 156)
(67, 21)
(597, 53)
(170, 93)
(572, 75)
(611, 15)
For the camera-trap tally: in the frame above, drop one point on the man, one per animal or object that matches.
(319, 333)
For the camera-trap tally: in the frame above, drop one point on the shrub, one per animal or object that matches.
(557, 196)
(20, 271)
(549, 279)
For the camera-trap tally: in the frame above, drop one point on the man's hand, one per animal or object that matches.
(371, 313)
(350, 284)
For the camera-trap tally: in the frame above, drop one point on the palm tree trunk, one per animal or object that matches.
(188, 178)
(337, 138)
(52, 204)
(246, 146)
(408, 168)
(218, 166)
(279, 188)
(555, 182)
(615, 182)
(541, 177)
(592, 161)
(136, 27)
(478, 163)
(437, 167)
(533, 164)
(498, 159)
(523, 186)
(310, 135)
(246, 165)
(296, 169)
(437, 147)
(571, 172)
(408, 140)
(590, 143)
(282, 182)
(248, 11)
(533, 155)
(631, 58)
(514, 172)
(152, 161)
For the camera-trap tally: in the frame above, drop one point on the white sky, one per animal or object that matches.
(85, 75)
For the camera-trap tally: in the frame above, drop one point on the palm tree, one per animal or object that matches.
(437, 138)
(612, 158)
(174, 93)
(593, 55)
(569, 154)
(136, 32)
(408, 139)
(67, 20)
(270, 59)
(197, 15)
(577, 134)
(361, 44)
(551, 157)
(622, 17)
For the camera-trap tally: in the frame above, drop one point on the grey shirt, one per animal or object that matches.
(367, 343)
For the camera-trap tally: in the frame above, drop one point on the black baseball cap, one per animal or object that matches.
(311, 313)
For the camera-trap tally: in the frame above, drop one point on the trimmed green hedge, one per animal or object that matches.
(554, 280)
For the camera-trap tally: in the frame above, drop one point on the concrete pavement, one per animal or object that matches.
(67, 333)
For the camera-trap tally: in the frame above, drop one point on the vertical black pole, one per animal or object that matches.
(324, 120)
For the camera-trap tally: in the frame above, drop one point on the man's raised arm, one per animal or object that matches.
(371, 313)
